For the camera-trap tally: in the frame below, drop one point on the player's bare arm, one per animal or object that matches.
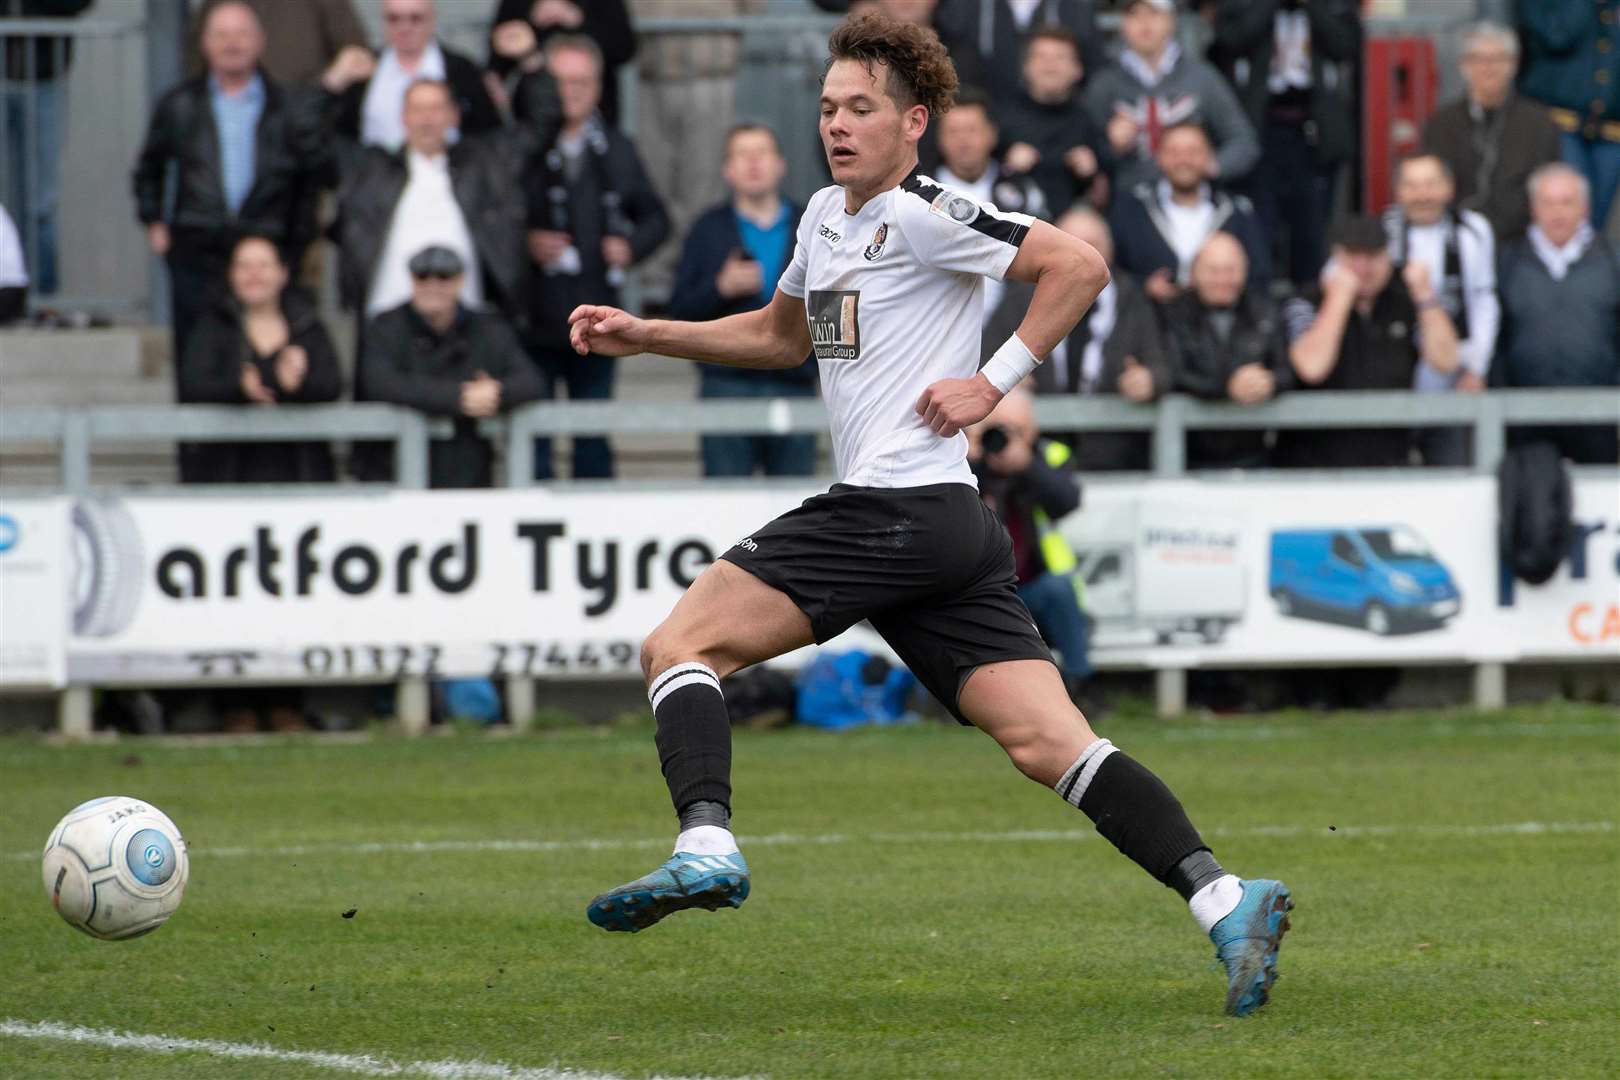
(775, 336)
(1068, 274)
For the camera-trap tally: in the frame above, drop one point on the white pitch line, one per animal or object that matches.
(360, 1064)
(429, 847)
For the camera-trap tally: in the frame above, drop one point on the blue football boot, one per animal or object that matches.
(684, 881)
(1246, 941)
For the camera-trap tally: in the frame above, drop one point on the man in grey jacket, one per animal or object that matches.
(1154, 85)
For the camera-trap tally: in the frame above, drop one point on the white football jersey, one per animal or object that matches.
(894, 294)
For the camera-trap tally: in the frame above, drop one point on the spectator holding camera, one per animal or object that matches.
(1025, 480)
(592, 214)
(262, 345)
(1116, 348)
(1560, 289)
(1226, 343)
(437, 355)
(1160, 226)
(1046, 129)
(1366, 328)
(730, 263)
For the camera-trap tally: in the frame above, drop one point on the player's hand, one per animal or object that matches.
(1418, 283)
(1122, 131)
(1021, 157)
(157, 238)
(1161, 287)
(292, 364)
(253, 387)
(738, 277)
(606, 331)
(1081, 161)
(1136, 381)
(950, 405)
(1251, 384)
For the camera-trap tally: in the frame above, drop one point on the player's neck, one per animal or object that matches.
(855, 198)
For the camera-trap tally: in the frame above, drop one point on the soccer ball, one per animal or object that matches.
(115, 867)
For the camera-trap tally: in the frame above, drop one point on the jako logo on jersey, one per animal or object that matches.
(830, 236)
(875, 249)
(956, 207)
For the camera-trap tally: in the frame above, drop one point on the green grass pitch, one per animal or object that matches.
(919, 909)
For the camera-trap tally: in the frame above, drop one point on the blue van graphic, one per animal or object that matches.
(1382, 579)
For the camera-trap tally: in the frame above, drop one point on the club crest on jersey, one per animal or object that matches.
(958, 208)
(874, 250)
(831, 236)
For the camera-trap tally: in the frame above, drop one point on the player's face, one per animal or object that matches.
(1423, 191)
(1184, 158)
(966, 137)
(1219, 272)
(1559, 206)
(863, 131)
(1051, 69)
(754, 167)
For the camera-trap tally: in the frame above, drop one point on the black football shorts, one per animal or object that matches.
(931, 568)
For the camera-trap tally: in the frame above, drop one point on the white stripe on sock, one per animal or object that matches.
(691, 678)
(1090, 771)
(1084, 767)
(658, 681)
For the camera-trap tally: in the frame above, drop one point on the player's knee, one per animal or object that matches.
(664, 648)
(1034, 753)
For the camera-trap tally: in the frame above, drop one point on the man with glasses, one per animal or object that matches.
(370, 108)
(1492, 138)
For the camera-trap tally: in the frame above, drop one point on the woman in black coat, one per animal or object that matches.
(263, 345)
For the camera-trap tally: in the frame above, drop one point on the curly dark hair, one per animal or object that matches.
(920, 70)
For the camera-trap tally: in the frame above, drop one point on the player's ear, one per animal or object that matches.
(916, 122)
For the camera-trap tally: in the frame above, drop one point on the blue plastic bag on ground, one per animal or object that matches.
(853, 689)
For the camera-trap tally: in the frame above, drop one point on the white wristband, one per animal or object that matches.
(1010, 365)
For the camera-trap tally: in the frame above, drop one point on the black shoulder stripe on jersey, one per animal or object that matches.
(991, 225)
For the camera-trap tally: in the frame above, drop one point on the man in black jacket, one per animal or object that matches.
(1226, 343)
(524, 27)
(1293, 64)
(437, 356)
(1046, 129)
(244, 152)
(1116, 348)
(369, 108)
(592, 214)
(988, 36)
(730, 264)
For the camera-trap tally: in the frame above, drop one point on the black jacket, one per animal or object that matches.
(1201, 363)
(1054, 492)
(211, 372)
(1142, 233)
(713, 238)
(466, 79)
(290, 155)
(1245, 37)
(1054, 130)
(1136, 335)
(1525, 139)
(553, 296)
(988, 46)
(407, 363)
(607, 22)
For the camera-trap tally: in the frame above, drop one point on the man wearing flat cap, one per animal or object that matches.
(443, 358)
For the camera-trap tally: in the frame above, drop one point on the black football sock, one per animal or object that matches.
(694, 742)
(1135, 812)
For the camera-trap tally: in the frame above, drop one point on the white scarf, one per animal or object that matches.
(1558, 260)
(1291, 58)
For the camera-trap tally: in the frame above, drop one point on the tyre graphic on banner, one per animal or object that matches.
(107, 568)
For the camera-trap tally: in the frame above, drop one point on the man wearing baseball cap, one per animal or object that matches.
(1153, 85)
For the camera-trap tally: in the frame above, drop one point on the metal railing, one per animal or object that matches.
(75, 431)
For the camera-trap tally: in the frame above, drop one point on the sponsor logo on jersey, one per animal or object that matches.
(874, 250)
(830, 236)
(958, 208)
(835, 329)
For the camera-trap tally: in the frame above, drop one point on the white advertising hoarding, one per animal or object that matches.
(33, 592)
(374, 587)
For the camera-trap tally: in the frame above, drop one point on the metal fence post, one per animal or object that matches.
(519, 452)
(1490, 686)
(411, 705)
(411, 451)
(75, 452)
(520, 702)
(1170, 436)
(1170, 691)
(1490, 433)
(74, 715)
